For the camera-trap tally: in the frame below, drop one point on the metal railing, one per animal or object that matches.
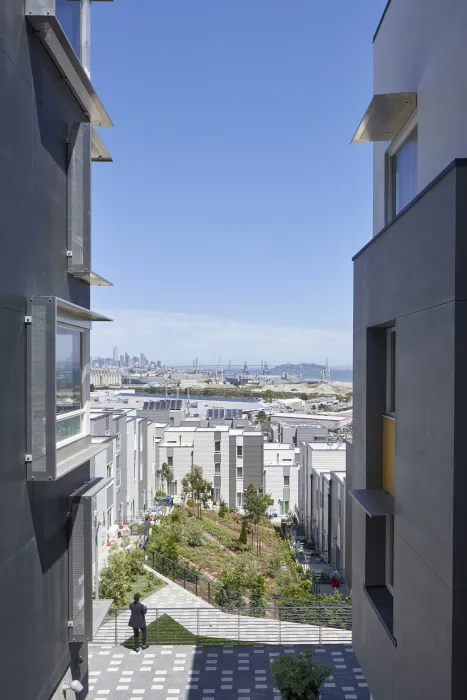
(208, 626)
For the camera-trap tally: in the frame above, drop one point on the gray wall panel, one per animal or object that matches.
(253, 448)
(232, 471)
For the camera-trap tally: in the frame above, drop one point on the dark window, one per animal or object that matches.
(217, 446)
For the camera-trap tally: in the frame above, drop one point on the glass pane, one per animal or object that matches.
(405, 172)
(68, 13)
(67, 428)
(68, 370)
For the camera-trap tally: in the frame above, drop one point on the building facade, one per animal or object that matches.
(47, 145)
(408, 462)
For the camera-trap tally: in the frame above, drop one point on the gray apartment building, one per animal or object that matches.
(47, 143)
(409, 451)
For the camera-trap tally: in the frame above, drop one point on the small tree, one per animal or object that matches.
(166, 474)
(256, 506)
(257, 600)
(243, 537)
(233, 588)
(197, 486)
(298, 677)
(304, 397)
(194, 533)
(223, 509)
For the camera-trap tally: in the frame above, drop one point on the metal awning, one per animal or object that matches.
(79, 312)
(76, 459)
(375, 502)
(55, 41)
(99, 153)
(92, 487)
(385, 116)
(92, 278)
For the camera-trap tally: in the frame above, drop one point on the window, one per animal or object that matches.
(239, 499)
(217, 446)
(239, 472)
(286, 480)
(118, 444)
(134, 467)
(390, 552)
(170, 461)
(240, 451)
(391, 371)
(69, 380)
(68, 13)
(141, 442)
(143, 500)
(109, 470)
(402, 169)
(284, 507)
(172, 488)
(217, 468)
(118, 478)
(172, 420)
(109, 519)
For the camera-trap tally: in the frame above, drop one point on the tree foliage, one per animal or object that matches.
(166, 474)
(298, 677)
(223, 509)
(195, 485)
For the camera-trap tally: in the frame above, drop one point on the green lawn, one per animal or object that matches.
(166, 630)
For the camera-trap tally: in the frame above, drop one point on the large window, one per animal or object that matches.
(402, 170)
(239, 472)
(217, 446)
(69, 383)
(68, 13)
(217, 468)
(170, 461)
(239, 450)
(286, 480)
(239, 499)
(172, 488)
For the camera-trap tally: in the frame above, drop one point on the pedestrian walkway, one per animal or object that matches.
(212, 673)
(203, 620)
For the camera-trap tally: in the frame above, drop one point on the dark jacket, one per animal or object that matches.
(138, 611)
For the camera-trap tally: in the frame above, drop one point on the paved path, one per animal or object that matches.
(211, 673)
(203, 619)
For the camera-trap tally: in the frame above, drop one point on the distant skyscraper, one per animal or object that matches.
(143, 360)
(127, 360)
(115, 356)
(122, 360)
(159, 364)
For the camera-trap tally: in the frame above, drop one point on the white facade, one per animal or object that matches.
(279, 453)
(320, 457)
(281, 483)
(428, 53)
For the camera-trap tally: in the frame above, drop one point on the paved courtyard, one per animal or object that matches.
(211, 672)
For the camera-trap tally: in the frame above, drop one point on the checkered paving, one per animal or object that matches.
(211, 672)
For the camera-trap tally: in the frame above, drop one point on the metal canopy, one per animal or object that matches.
(64, 466)
(385, 116)
(99, 153)
(92, 278)
(54, 39)
(92, 487)
(79, 312)
(375, 502)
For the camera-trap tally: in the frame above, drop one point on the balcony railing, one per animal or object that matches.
(206, 626)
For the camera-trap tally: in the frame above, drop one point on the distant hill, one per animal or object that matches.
(296, 368)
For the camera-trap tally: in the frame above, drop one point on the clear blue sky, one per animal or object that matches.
(229, 217)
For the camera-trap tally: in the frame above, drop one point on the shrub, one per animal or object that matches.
(243, 537)
(257, 600)
(233, 587)
(160, 494)
(248, 565)
(190, 503)
(194, 533)
(223, 509)
(298, 677)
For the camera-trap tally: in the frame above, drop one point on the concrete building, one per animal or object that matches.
(315, 458)
(106, 377)
(331, 421)
(409, 520)
(280, 477)
(295, 433)
(169, 411)
(47, 143)
(231, 459)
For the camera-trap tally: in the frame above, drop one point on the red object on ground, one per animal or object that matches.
(335, 582)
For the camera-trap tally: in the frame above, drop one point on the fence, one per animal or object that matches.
(208, 626)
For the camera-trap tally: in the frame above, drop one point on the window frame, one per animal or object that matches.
(170, 461)
(391, 369)
(217, 442)
(389, 567)
(82, 412)
(217, 468)
(390, 161)
(239, 451)
(286, 476)
(240, 469)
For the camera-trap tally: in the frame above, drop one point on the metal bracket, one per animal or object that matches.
(69, 253)
(70, 624)
(28, 319)
(28, 458)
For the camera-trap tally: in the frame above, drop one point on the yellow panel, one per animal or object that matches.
(389, 454)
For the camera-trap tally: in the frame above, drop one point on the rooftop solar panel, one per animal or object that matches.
(179, 404)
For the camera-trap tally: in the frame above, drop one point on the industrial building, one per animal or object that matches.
(48, 144)
(296, 433)
(409, 449)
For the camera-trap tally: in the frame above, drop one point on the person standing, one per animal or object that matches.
(138, 621)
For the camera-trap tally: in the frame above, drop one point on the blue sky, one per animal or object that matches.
(229, 217)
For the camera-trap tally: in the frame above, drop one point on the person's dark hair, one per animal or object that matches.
(136, 597)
